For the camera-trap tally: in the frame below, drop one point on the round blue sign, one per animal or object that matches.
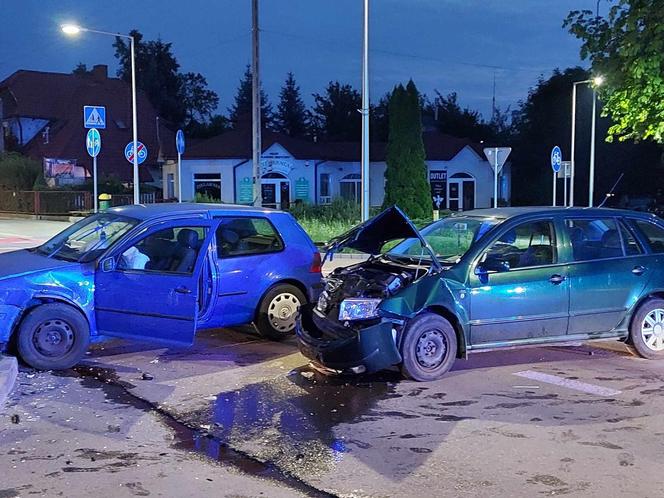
(179, 141)
(556, 159)
(93, 142)
(142, 152)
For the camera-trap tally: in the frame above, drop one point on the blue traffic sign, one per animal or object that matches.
(94, 116)
(93, 142)
(142, 152)
(556, 159)
(179, 141)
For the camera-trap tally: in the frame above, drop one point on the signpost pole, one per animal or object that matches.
(134, 125)
(554, 189)
(179, 177)
(564, 185)
(495, 178)
(94, 180)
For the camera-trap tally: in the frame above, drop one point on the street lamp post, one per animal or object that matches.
(596, 81)
(73, 29)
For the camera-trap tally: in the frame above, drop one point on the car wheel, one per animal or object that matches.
(53, 337)
(429, 347)
(647, 329)
(278, 310)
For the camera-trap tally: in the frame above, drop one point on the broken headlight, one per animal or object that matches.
(358, 309)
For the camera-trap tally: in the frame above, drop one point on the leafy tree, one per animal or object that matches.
(544, 120)
(627, 50)
(182, 99)
(454, 120)
(379, 119)
(406, 173)
(199, 101)
(291, 117)
(18, 172)
(241, 108)
(156, 74)
(335, 114)
(216, 125)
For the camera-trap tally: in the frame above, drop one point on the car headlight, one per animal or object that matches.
(358, 309)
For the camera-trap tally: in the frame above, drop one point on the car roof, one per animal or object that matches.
(148, 211)
(512, 212)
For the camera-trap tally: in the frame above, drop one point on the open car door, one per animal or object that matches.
(148, 288)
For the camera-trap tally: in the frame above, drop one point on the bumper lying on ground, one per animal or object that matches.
(335, 347)
(8, 373)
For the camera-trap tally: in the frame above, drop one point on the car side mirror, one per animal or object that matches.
(107, 265)
(492, 265)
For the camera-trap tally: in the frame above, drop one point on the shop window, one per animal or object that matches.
(350, 187)
(208, 186)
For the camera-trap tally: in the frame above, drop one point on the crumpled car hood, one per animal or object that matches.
(19, 263)
(370, 236)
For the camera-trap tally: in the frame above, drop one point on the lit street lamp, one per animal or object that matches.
(596, 81)
(72, 30)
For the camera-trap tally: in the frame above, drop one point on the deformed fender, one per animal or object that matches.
(9, 315)
(436, 293)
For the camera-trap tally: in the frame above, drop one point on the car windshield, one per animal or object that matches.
(450, 238)
(88, 239)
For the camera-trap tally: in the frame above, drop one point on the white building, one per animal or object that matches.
(297, 170)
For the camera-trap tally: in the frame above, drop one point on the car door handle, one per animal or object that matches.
(182, 290)
(557, 279)
(638, 270)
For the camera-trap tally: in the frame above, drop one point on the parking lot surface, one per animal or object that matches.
(577, 421)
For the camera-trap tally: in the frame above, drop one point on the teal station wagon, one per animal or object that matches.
(488, 279)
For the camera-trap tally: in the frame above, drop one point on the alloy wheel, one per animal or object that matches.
(652, 330)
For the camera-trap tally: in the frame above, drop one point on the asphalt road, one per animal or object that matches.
(250, 414)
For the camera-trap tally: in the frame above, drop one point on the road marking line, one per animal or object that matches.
(568, 383)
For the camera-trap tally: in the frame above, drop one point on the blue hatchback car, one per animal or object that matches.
(159, 273)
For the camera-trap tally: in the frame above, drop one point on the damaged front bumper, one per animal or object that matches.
(344, 349)
(8, 316)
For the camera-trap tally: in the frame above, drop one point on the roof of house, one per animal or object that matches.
(59, 98)
(237, 144)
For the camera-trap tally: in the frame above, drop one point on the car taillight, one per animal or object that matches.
(316, 265)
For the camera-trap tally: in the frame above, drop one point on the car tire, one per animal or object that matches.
(53, 337)
(277, 311)
(646, 332)
(429, 347)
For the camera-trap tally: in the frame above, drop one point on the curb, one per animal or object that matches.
(41, 217)
(8, 373)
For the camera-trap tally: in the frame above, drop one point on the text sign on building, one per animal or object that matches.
(246, 191)
(302, 189)
(94, 116)
(438, 182)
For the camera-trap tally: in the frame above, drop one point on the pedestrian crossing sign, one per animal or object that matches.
(94, 116)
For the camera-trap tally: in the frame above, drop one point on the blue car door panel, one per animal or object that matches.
(151, 289)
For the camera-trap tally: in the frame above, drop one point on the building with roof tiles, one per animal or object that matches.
(298, 170)
(43, 113)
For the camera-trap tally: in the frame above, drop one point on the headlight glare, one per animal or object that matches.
(358, 309)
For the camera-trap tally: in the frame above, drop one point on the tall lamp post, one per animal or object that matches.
(365, 116)
(73, 29)
(596, 81)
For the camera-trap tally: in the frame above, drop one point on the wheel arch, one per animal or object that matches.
(449, 315)
(657, 294)
(37, 301)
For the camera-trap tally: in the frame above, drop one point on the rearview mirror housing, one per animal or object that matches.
(107, 265)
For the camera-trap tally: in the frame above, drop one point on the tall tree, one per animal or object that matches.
(627, 50)
(335, 114)
(156, 74)
(543, 120)
(241, 109)
(182, 99)
(406, 174)
(454, 120)
(291, 116)
(379, 119)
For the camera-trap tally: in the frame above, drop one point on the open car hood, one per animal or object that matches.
(370, 237)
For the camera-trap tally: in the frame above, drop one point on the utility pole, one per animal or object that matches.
(591, 186)
(365, 116)
(256, 105)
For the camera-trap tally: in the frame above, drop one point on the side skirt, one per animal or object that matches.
(565, 340)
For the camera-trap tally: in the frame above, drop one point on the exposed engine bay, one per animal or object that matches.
(376, 278)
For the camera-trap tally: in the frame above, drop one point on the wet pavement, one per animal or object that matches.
(481, 431)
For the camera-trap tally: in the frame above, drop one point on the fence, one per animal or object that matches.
(58, 202)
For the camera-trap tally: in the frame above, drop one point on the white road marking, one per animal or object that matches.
(568, 383)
